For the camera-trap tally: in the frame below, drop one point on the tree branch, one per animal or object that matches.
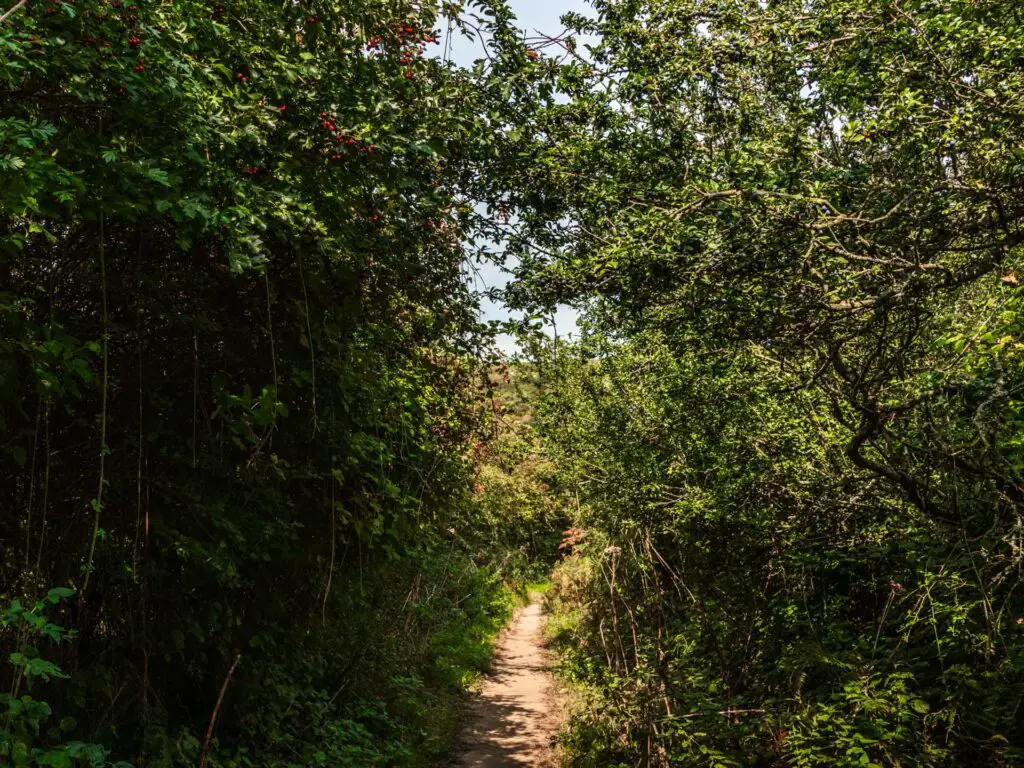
(16, 6)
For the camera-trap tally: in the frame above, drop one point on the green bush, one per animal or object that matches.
(30, 732)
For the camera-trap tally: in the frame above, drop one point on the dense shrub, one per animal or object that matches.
(793, 423)
(239, 377)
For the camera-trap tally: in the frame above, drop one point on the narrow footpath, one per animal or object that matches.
(513, 718)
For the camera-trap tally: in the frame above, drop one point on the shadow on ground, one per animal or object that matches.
(511, 722)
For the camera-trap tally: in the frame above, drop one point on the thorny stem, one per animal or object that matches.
(103, 405)
(216, 710)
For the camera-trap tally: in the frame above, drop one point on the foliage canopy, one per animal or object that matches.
(793, 421)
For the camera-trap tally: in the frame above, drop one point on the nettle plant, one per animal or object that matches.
(30, 732)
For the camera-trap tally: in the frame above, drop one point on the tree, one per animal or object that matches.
(811, 209)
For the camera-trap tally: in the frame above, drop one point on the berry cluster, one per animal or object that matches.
(127, 15)
(329, 124)
(52, 10)
(412, 43)
(130, 12)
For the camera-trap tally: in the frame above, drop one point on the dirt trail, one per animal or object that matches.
(513, 718)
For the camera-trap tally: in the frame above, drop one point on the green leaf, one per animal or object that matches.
(158, 176)
(56, 757)
(56, 594)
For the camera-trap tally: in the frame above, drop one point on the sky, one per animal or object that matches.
(532, 16)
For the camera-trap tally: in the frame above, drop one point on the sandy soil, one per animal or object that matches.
(513, 718)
